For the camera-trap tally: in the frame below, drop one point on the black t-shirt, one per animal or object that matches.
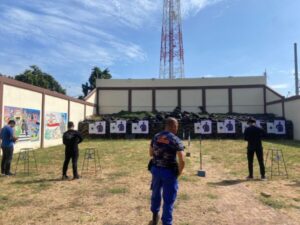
(71, 139)
(254, 135)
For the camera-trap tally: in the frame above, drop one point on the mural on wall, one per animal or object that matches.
(27, 122)
(55, 125)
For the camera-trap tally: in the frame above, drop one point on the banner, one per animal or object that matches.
(279, 127)
(197, 128)
(206, 127)
(244, 126)
(92, 128)
(229, 127)
(118, 127)
(270, 128)
(55, 125)
(203, 127)
(27, 122)
(221, 128)
(97, 127)
(258, 123)
(142, 127)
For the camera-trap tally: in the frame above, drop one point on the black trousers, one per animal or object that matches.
(73, 154)
(260, 157)
(7, 155)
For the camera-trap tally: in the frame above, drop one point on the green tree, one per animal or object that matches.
(37, 77)
(97, 73)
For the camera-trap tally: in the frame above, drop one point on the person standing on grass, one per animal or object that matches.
(253, 135)
(8, 141)
(165, 170)
(71, 139)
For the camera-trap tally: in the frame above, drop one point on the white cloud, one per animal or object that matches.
(279, 86)
(77, 32)
(192, 7)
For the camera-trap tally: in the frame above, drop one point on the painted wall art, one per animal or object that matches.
(55, 125)
(27, 122)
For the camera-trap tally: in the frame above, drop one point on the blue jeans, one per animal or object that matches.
(164, 184)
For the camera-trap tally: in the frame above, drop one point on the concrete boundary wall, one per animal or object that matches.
(292, 109)
(288, 108)
(19, 95)
(215, 95)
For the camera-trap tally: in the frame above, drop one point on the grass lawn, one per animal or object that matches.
(120, 194)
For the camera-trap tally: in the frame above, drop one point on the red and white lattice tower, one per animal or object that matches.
(172, 52)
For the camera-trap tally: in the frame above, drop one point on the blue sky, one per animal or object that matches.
(66, 38)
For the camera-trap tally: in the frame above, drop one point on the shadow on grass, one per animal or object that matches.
(296, 183)
(227, 182)
(38, 181)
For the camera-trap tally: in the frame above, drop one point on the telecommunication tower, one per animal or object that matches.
(172, 52)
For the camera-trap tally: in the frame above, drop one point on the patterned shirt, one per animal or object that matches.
(165, 146)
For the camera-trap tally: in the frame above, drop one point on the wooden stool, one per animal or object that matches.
(277, 161)
(91, 154)
(25, 156)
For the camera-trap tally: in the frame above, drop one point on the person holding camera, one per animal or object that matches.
(165, 170)
(71, 139)
(7, 145)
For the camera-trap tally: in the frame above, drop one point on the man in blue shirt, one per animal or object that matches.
(165, 170)
(8, 140)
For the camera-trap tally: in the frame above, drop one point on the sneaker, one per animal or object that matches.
(249, 178)
(9, 174)
(155, 219)
(76, 177)
(263, 178)
(65, 177)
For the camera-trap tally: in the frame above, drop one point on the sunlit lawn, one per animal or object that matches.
(121, 191)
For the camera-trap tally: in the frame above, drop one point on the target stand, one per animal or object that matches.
(26, 155)
(91, 156)
(276, 163)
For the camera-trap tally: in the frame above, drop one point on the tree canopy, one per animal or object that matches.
(37, 77)
(97, 73)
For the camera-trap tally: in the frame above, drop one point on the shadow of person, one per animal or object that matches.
(296, 183)
(227, 182)
(37, 181)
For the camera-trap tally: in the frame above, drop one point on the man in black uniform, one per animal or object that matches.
(253, 135)
(71, 139)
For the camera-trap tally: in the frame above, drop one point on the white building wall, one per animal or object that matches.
(113, 101)
(76, 113)
(187, 82)
(292, 109)
(141, 100)
(249, 100)
(191, 100)
(54, 105)
(217, 101)
(21, 98)
(90, 111)
(92, 98)
(275, 109)
(271, 96)
(166, 100)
